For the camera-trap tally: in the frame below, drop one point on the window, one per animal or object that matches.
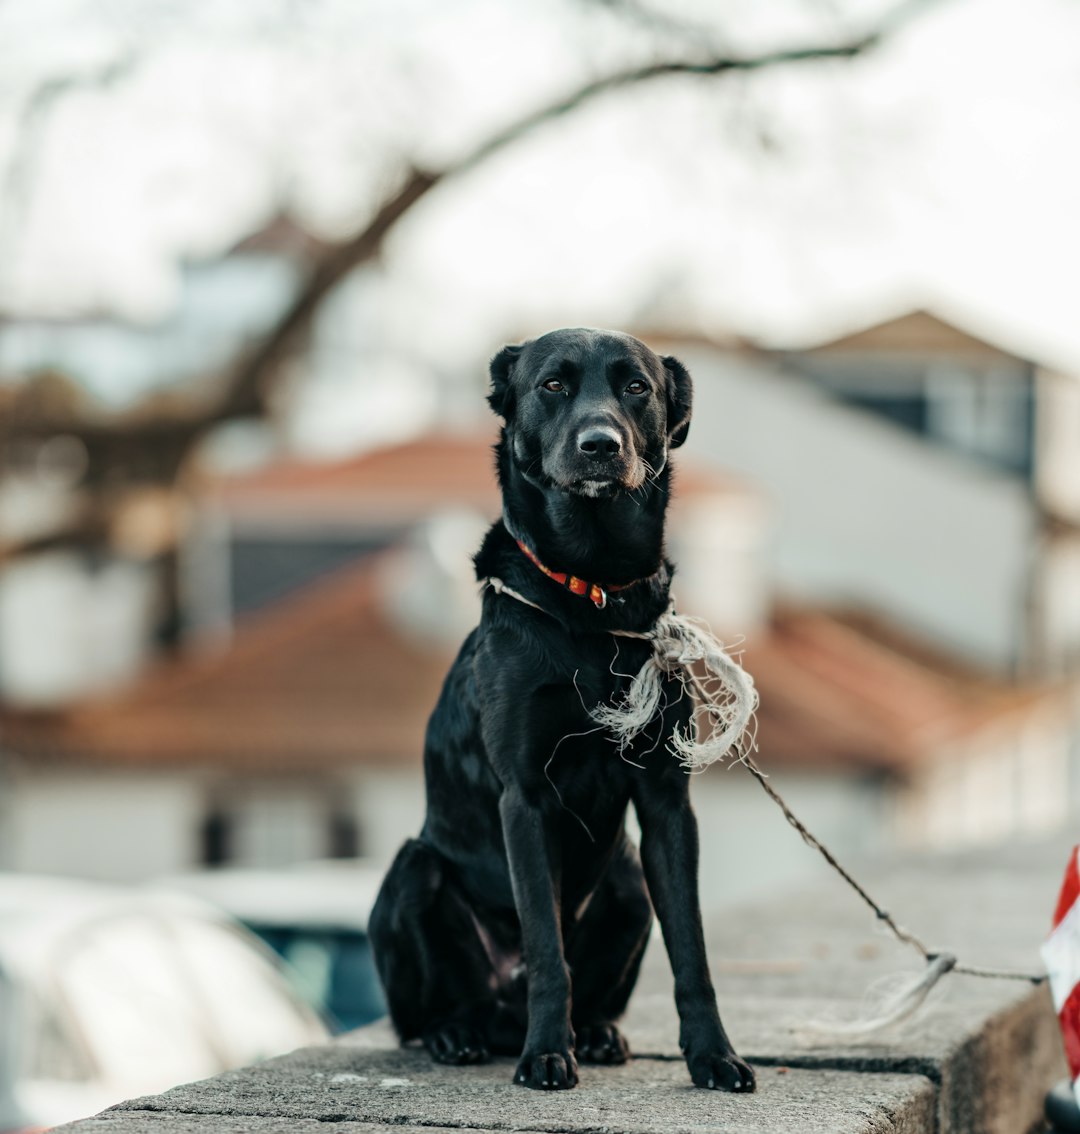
(986, 413)
(215, 838)
(983, 410)
(272, 824)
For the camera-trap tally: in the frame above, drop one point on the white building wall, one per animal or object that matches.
(111, 826)
(1042, 774)
(716, 541)
(1055, 630)
(747, 846)
(67, 631)
(862, 511)
(1010, 779)
(1057, 425)
(389, 808)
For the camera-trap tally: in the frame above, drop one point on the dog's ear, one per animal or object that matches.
(680, 399)
(501, 397)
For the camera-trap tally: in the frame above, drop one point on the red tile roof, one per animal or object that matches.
(323, 680)
(319, 680)
(844, 690)
(400, 484)
(397, 484)
(918, 333)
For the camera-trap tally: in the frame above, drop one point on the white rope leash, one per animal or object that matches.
(725, 703)
(500, 588)
(727, 699)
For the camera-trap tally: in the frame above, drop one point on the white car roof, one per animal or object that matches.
(331, 894)
(38, 912)
(139, 987)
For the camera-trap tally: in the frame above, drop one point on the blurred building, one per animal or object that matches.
(293, 743)
(376, 549)
(101, 419)
(96, 419)
(883, 520)
(937, 380)
(917, 469)
(976, 399)
(293, 726)
(222, 302)
(259, 535)
(958, 756)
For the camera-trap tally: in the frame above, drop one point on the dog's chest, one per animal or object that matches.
(586, 782)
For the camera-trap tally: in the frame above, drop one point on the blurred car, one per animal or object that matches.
(12, 1116)
(315, 916)
(118, 991)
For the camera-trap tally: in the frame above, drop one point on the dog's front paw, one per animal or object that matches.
(723, 1071)
(602, 1043)
(456, 1043)
(554, 1071)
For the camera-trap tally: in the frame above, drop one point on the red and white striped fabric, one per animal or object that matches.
(1061, 953)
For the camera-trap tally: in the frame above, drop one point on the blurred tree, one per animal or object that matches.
(47, 395)
(150, 445)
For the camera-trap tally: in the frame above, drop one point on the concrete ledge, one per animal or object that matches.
(397, 1088)
(977, 1059)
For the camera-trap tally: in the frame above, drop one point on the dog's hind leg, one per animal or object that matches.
(604, 950)
(438, 979)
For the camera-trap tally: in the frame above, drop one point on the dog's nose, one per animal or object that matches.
(599, 444)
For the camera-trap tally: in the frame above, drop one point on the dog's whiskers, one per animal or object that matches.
(650, 479)
(651, 475)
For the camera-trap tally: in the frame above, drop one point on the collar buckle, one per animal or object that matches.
(594, 592)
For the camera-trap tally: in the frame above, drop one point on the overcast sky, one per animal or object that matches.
(943, 167)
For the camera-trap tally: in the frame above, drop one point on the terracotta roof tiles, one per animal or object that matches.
(324, 680)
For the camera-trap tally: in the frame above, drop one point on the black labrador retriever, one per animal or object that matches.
(517, 921)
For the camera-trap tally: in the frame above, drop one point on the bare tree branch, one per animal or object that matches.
(246, 385)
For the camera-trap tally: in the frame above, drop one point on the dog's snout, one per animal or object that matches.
(599, 444)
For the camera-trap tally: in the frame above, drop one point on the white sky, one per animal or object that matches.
(943, 167)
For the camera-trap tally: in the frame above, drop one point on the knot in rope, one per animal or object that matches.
(723, 694)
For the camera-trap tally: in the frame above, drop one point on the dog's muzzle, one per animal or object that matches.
(599, 443)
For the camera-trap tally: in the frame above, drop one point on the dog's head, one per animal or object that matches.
(590, 412)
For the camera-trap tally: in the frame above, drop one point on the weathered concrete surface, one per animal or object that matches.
(992, 1046)
(195, 1124)
(128, 1122)
(403, 1088)
(977, 1059)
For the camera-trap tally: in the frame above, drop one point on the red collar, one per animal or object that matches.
(596, 593)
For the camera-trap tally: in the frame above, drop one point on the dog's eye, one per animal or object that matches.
(637, 387)
(554, 386)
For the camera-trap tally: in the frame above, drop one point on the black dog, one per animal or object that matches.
(523, 859)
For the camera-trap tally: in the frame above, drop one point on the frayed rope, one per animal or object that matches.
(725, 699)
(893, 1008)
